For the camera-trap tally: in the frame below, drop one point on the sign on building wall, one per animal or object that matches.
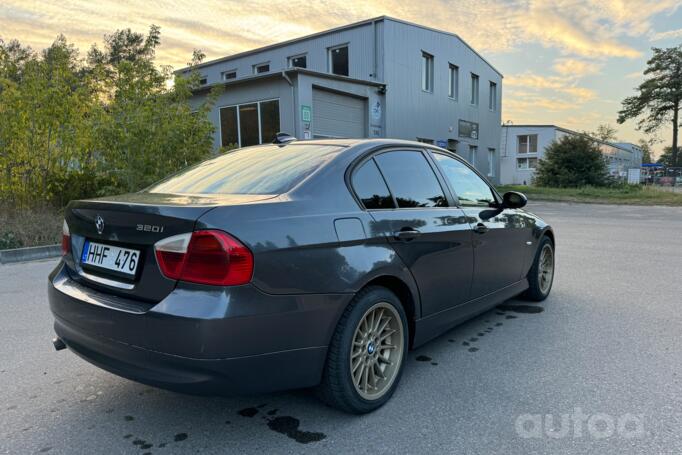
(306, 113)
(468, 129)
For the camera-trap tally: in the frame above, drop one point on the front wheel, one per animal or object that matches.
(366, 354)
(541, 275)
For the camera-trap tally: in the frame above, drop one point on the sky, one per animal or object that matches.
(565, 62)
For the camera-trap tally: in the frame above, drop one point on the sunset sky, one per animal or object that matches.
(565, 62)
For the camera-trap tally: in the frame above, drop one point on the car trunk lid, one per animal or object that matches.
(134, 223)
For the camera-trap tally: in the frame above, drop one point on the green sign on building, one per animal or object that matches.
(306, 113)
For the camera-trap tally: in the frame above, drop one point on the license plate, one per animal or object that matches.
(110, 257)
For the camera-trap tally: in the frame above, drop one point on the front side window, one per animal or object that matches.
(427, 72)
(371, 188)
(411, 179)
(474, 89)
(338, 60)
(249, 124)
(492, 96)
(528, 144)
(453, 82)
(469, 187)
(298, 61)
(270, 169)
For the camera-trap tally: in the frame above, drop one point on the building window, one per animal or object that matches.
(453, 82)
(472, 154)
(203, 81)
(424, 140)
(298, 61)
(474, 89)
(492, 97)
(338, 60)
(452, 145)
(526, 163)
(491, 162)
(249, 124)
(227, 75)
(261, 68)
(527, 144)
(427, 72)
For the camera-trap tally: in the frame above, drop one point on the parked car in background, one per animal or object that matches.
(298, 264)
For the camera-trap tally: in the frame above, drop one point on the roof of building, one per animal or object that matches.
(334, 30)
(618, 145)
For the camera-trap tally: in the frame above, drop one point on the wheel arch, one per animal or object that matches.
(406, 296)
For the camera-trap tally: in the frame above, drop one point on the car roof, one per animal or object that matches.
(352, 142)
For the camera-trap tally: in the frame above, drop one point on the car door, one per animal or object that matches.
(500, 236)
(410, 207)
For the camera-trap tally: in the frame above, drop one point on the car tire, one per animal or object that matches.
(367, 353)
(541, 274)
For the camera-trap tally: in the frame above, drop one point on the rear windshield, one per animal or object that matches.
(269, 169)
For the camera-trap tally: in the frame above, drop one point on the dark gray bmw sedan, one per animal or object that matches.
(306, 263)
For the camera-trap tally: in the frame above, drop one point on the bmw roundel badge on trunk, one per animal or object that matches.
(99, 224)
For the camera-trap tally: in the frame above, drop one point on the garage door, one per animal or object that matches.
(336, 115)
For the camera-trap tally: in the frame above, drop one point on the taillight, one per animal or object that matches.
(206, 257)
(66, 239)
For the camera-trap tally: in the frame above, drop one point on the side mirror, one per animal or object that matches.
(514, 200)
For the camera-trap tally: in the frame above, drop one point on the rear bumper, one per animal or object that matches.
(199, 339)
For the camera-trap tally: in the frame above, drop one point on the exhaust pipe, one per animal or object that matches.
(58, 344)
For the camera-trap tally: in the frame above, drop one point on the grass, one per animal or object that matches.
(29, 227)
(622, 194)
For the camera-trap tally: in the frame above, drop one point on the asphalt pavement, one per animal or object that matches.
(596, 368)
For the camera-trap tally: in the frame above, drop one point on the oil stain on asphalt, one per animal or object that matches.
(286, 425)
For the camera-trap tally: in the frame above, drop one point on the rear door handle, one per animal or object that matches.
(480, 228)
(407, 234)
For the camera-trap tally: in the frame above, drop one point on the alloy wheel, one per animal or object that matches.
(377, 351)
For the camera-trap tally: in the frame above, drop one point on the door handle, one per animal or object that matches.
(407, 234)
(481, 228)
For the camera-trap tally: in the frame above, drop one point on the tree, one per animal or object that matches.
(666, 158)
(572, 161)
(646, 151)
(73, 128)
(659, 97)
(605, 132)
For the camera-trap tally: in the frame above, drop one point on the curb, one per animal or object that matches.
(30, 253)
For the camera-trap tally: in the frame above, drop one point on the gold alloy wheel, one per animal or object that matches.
(546, 268)
(377, 351)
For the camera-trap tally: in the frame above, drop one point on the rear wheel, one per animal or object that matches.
(366, 354)
(541, 275)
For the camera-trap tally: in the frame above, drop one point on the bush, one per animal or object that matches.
(573, 161)
(34, 227)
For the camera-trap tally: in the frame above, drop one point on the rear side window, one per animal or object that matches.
(254, 170)
(370, 187)
(411, 179)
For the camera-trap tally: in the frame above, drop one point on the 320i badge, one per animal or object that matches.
(297, 264)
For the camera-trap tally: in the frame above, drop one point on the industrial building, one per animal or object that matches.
(381, 77)
(523, 145)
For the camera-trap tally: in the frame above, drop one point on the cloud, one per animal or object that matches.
(576, 67)
(561, 84)
(589, 28)
(666, 35)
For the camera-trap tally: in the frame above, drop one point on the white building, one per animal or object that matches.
(523, 145)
